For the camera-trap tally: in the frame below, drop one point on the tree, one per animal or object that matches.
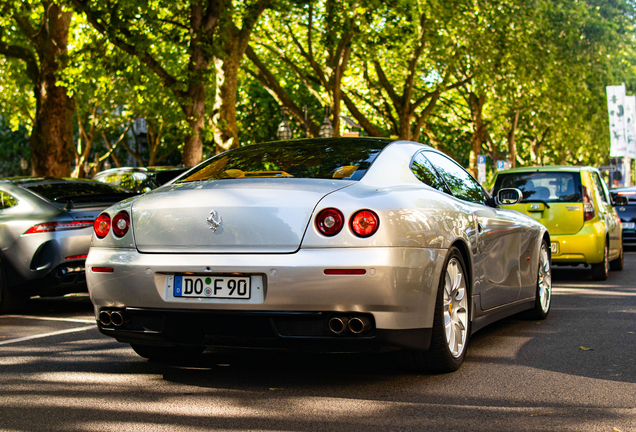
(177, 44)
(37, 33)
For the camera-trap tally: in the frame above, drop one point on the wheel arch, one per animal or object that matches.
(546, 237)
(465, 252)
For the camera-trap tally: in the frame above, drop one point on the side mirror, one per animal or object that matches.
(509, 196)
(620, 200)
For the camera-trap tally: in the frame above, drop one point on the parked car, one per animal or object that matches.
(625, 199)
(575, 205)
(45, 231)
(321, 244)
(139, 179)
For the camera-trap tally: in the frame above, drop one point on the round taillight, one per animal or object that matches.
(365, 223)
(121, 224)
(330, 221)
(102, 225)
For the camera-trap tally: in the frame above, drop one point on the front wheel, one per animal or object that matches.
(601, 270)
(451, 322)
(543, 297)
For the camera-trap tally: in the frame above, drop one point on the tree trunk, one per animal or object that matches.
(405, 123)
(52, 134)
(476, 108)
(195, 115)
(512, 148)
(224, 119)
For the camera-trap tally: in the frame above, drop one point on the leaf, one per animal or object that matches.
(582, 348)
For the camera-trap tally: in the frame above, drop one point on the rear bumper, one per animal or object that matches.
(629, 237)
(585, 247)
(308, 331)
(397, 291)
(64, 279)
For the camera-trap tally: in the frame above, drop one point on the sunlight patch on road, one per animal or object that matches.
(582, 289)
(43, 335)
(75, 320)
(88, 378)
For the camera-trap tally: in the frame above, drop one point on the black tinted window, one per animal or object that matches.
(85, 191)
(627, 193)
(320, 158)
(461, 184)
(600, 187)
(543, 185)
(425, 172)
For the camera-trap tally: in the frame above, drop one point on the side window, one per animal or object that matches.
(598, 183)
(425, 172)
(7, 200)
(461, 184)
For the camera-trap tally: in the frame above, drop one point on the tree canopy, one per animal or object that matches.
(159, 82)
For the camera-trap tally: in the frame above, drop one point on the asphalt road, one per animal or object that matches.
(574, 371)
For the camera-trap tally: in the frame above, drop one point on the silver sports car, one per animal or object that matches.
(319, 244)
(45, 233)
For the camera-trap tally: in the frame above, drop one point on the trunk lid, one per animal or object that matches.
(250, 215)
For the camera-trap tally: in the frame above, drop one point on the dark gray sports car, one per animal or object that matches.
(45, 232)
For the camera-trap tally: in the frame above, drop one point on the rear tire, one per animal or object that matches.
(10, 300)
(155, 352)
(600, 270)
(451, 323)
(617, 264)
(543, 297)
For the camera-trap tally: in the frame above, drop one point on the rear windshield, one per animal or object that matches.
(543, 186)
(346, 159)
(79, 191)
(627, 193)
(136, 181)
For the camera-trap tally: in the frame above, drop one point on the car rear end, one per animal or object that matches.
(562, 199)
(264, 252)
(627, 213)
(46, 239)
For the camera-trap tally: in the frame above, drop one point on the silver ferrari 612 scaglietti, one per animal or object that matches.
(318, 244)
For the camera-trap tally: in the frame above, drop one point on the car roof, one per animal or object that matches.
(19, 181)
(550, 168)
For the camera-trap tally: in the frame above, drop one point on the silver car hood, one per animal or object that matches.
(228, 216)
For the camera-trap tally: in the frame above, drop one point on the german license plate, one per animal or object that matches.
(628, 225)
(228, 287)
(553, 247)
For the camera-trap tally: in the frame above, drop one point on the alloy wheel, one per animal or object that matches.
(455, 308)
(545, 279)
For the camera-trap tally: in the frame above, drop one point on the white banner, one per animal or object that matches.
(630, 129)
(616, 108)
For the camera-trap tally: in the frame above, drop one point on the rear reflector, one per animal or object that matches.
(102, 269)
(76, 257)
(58, 226)
(345, 271)
(588, 206)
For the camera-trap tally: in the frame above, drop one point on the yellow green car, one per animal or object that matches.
(575, 205)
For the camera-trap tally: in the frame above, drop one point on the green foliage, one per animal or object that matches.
(547, 60)
(14, 148)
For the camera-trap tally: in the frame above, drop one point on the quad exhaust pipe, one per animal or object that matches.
(111, 318)
(356, 324)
